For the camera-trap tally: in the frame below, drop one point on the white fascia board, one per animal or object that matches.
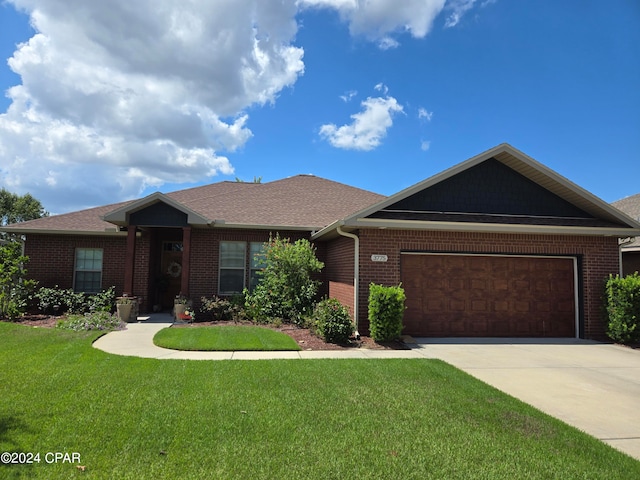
(490, 227)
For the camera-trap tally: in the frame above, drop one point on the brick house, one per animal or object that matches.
(498, 245)
(630, 248)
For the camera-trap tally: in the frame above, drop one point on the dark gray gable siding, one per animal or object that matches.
(158, 215)
(489, 192)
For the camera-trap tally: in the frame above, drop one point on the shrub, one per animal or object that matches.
(15, 290)
(218, 308)
(622, 302)
(91, 321)
(286, 290)
(103, 301)
(386, 308)
(332, 321)
(58, 300)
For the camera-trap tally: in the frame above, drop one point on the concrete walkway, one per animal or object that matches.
(590, 385)
(137, 341)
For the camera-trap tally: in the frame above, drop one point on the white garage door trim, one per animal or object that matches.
(574, 260)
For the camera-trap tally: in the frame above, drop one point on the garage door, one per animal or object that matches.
(488, 296)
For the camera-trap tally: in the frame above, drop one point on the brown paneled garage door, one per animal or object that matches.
(488, 296)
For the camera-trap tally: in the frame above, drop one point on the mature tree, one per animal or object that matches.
(15, 208)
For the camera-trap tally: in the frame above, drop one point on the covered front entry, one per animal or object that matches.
(451, 295)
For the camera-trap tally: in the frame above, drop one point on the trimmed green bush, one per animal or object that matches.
(386, 309)
(332, 321)
(622, 301)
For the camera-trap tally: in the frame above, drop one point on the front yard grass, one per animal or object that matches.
(135, 418)
(224, 338)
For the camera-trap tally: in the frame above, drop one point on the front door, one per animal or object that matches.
(171, 268)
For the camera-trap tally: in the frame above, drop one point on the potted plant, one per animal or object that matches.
(180, 305)
(124, 305)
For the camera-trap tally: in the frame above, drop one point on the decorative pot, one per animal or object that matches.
(124, 311)
(179, 309)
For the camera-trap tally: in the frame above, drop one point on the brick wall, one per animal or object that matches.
(597, 258)
(339, 270)
(205, 245)
(52, 257)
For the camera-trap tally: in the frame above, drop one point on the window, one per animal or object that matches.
(257, 263)
(232, 267)
(88, 270)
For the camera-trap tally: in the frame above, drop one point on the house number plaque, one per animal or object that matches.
(379, 258)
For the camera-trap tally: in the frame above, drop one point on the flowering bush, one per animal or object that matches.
(332, 321)
(91, 321)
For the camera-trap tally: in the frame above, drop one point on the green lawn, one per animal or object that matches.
(224, 338)
(133, 418)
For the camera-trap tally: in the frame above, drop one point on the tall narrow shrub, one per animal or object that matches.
(15, 289)
(386, 309)
(622, 301)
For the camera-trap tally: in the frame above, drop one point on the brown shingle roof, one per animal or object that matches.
(630, 206)
(302, 201)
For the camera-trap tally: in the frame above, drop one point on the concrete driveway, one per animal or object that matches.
(589, 385)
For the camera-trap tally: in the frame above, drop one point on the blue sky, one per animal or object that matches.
(107, 103)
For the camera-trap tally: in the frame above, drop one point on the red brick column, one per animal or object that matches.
(186, 260)
(130, 259)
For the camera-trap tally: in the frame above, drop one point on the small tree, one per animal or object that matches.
(286, 289)
(14, 288)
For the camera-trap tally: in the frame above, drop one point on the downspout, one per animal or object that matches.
(356, 275)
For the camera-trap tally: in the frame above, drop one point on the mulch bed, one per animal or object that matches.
(308, 341)
(304, 337)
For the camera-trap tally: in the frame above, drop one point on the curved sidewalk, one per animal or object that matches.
(137, 341)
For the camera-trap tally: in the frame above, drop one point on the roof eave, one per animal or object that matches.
(44, 231)
(252, 226)
(492, 227)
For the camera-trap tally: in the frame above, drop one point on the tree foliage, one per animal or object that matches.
(19, 208)
(286, 289)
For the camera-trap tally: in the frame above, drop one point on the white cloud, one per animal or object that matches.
(381, 87)
(424, 113)
(458, 9)
(368, 128)
(425, 145)
(378, 19)
(387, 43)
(124, 95)
(348, 95)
